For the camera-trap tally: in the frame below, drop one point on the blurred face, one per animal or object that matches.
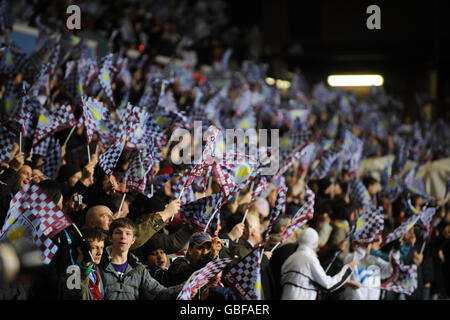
(197, 251)
(122, 239)
(38, 176)
(97, 249)
(25, 174)
(157, 258)
(72, 181)
(373, 188)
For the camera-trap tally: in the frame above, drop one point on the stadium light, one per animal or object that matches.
(362, 80)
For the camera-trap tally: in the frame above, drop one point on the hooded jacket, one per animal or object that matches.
(135, 284)
(368, 273)
(302, 274)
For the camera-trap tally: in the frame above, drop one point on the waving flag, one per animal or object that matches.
(401, 156)
(358, 193)
(280, 207)
(136, 175)
(402, 229)
(324, 166)
(35, 216)
(201, 277)
(303, 153)
(352, 152)
(29, 106)
(369, 225)
(73, 81)
(262, 185)
(197, 213)
(403, 279)
(305, 213)
(7, 139)
(386, 173)
(426, 216)
(55, 121)
(93, 111)
(181, 186)
(332, 126)
(52, 158)
(105, 76)
(108, 160)
(244, 277)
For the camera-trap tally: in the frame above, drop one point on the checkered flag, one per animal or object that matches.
(369, 225)
(188, 194)
(108, 160)
(359, 195)
(34, 215)
(27, 113)
(41, 56)
(386, 173)
(403, 279)
(52, 158)
(73, 82)
(401, 156)
(55, 121)
(426, 216)
(302, 153)
(197, 213)
(402, 229)
(93, 111)
(7, 139)
(9, 98)
(305, 213)
(262, 185)
(352, 150)
(42, 147)
(325, 163)
(105, 76)
(201, 277)
(244, 277)
(280, 206)
(136, 175)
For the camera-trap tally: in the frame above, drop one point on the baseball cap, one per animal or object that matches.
(200, 238)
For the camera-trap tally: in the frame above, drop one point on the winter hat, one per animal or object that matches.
(308, 238)
(262, 205)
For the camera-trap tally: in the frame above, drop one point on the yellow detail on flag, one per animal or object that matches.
(105, 77)
(9, 59)
(80, 88)
(102, 128)
(221, 147)
(244, 124)
(285, 142)
(411, 225)
(160, 119)
(327, 146)
(348, 142)
(243, 172)
(8, 104)
(358, 223)
(138, 129)
(43, 119)
(75, 40)
(296, 114)
(16, 234)
(47, 57)
(335, 120)
(96, 114)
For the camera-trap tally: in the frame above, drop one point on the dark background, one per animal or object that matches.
(409, 51)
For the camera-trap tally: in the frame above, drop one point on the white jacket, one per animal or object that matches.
(302, 274)
(368, 273)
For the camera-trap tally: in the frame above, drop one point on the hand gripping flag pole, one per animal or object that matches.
(251, 192)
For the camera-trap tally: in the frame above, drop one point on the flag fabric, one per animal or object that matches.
(302, 152)
(105, 76)
(402, 229)
(352, 152)
(386, 174)
(108, 160)
(201, 277)
(197, 213)
(280, 206)
(73, 81)
(187, 195)
(52, 158)
(359, 195)
(305, 213)
(6, 18)
(93, 111)
(7, 139)
(332, 126)
(244, 277)
(426, 216)
(137, 172)
(52, 122)
(27, 113)
(262, 185)
(403, 279)
(35, 216)
(324, 166)
(369, 225)
(401, 156)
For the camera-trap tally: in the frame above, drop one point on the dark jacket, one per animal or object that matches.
(135, 284)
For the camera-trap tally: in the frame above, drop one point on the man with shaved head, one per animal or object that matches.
(101, 217)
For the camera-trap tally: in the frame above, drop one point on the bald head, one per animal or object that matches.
(99, 217)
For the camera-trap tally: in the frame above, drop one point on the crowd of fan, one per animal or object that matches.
(152, 255)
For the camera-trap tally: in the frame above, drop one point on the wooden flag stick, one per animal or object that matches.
(81, 235)
(276, 246)
(251, 192)
(89, 153)
(70, 134)
(121, 202)
(20, 141)
(210, 218)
